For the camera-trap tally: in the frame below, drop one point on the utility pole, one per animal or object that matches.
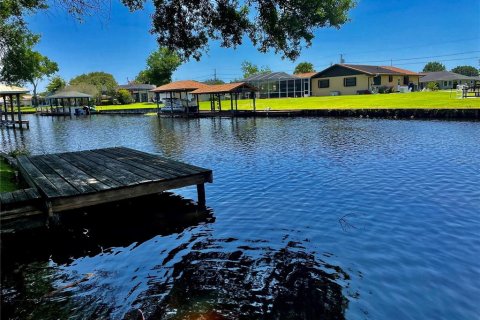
(215, 75)
(342, 60)
(391, 62)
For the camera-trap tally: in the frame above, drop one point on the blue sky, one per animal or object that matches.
(406, 33)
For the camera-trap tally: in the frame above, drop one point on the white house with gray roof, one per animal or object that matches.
(447, 79)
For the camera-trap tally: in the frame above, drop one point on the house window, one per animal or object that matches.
(445, 83)
(377, 80)
(350, 82)
(390, 78)
(406, 80)
(324, 83)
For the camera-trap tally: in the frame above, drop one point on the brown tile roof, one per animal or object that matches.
(402, 71)
(223, 88)
(184, 85)
(305, 75)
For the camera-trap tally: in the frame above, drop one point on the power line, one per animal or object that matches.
(422, 62)
(426, 57)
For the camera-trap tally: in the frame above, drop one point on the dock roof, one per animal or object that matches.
(6, 89)
(183, 85)
(68, 94)
(225, 88)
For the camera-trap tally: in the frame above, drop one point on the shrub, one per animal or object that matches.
(432, 86)
(18, 152)
(124, 96)
(385, 89)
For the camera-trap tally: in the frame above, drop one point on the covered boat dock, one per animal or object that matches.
(176, 89)
(63, 99)
(234, 90)
(7, 118)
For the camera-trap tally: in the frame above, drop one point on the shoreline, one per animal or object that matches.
(388, 113)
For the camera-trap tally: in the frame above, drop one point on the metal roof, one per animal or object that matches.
(136, 86)
(444, 76)
(69, 94)
(270, 76)
(4, 89)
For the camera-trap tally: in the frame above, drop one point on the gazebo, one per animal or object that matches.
(11, 92)
(68, 98)
(177, 88)
(233, 89)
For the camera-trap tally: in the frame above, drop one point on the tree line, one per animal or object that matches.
(435, 66)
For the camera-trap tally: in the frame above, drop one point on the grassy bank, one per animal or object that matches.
(7, 177)
(414, 100)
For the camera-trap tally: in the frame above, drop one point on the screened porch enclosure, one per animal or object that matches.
(279, 85)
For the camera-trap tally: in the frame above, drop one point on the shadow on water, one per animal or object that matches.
(283, 284)
(158, 258)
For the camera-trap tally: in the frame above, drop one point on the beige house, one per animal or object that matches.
(141, 92)
(347, 79)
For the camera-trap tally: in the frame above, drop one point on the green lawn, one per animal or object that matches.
(420, 100)
(7, 177)
(414, 100)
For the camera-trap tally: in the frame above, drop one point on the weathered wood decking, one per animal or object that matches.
(73, 180)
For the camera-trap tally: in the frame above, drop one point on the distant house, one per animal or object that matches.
(447, 79)
(140, 91)
(347, 79)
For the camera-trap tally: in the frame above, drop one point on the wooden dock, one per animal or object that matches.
(73, 180)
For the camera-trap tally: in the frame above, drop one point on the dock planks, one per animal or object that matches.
(72, 180)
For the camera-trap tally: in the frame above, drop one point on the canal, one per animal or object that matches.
(307, 218)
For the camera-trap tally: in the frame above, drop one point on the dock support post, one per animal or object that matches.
(201, 194)
(52, 218)
(11, 110)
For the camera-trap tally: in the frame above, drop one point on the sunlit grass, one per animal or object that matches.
(414, 100)
(7, 177)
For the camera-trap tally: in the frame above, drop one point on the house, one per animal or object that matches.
(139, 91)
(447, 79)
(347, 79)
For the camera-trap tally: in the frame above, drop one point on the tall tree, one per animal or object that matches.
(27, 65)
(249, 69)
(186, 26)
(160, 66)
(104, 82)
(304, 67)
(466, 71)
(434, 66)
(214, 81)
(55, 84)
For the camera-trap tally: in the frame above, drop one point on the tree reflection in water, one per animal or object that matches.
(282, 284)
(188, 274)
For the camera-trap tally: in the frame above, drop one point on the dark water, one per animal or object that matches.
(307, 219)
